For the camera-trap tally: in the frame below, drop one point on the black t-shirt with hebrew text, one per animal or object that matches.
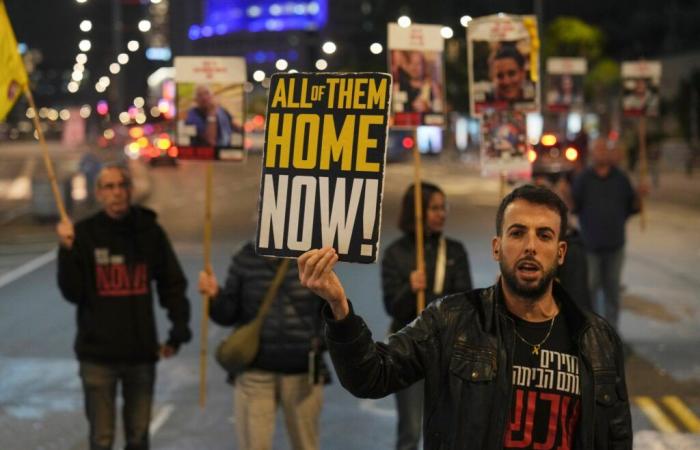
(546, 403)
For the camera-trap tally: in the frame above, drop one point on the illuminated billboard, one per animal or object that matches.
(228, 16)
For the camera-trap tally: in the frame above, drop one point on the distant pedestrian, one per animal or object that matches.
(603, 200)
(446, 272)
(106, 265)
(288, 371)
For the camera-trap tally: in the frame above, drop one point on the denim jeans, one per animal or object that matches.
(409, 405)
(100, 382)
(604, 275)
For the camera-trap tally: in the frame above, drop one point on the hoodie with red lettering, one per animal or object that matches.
(110, 274)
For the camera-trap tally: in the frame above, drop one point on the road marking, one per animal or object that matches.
(161, 417)
(655, 414)
(684, 414)
(28, 267)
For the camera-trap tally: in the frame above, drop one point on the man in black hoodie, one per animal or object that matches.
(106, 265)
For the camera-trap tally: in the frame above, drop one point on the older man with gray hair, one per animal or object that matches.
(106, 265)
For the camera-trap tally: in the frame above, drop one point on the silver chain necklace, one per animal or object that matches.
(536, 347)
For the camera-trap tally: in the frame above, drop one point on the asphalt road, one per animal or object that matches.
(40, 398)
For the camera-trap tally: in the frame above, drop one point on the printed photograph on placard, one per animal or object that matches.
(210, 107)
(504, 140)
(503, 63)
(640, 87)
(418, 87)
(565, 84)
(210, 115)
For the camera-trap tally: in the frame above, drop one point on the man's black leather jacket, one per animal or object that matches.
(462, 345)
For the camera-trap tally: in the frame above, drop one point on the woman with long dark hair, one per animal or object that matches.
(446, 272)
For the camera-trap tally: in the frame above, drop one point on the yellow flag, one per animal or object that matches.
(13, 76)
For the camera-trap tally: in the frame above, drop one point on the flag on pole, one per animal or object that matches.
(13, 76)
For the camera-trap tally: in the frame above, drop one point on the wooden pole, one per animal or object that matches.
(47, 159)
(502, 185)
(205, 298)
(643, 168)
(418, 206)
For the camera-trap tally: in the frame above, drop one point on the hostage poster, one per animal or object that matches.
(640, 88)
(323, 164)
(210, 107)
(415, 61)
(503, 54)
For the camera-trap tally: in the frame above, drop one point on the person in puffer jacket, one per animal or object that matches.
(280, 374)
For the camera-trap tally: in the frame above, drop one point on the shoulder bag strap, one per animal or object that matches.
(272, 290)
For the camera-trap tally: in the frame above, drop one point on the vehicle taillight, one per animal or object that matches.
(531, 155)
(548, 140)
(408, 142)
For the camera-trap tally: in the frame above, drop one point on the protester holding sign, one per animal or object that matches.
(288, 370)
(446, 272)
(512, 366)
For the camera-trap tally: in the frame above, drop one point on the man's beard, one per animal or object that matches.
(531, 293)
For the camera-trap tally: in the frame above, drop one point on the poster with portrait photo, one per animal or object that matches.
(210, 107)
(565, 84)
(640, 88)
(504, 143)
(416, 65)
(503, 53)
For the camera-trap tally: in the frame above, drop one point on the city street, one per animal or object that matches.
(40, 394)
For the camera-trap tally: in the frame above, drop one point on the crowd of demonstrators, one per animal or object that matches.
(446, 272)
(280, 374)
(106, 265)
(480, 352)
(462, 370)
(603, 200)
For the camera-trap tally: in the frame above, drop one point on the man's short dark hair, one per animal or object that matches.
(539, 195)
(407, 215)
(509, 51)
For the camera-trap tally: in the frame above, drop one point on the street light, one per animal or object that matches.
(446, 32)
(85, 26)
(281, 64)
(376, 48)
(464, 20)
(321, 64)
(81, 58)
(329, 47)
(258, 75)
(123, 58)
(104, 80)
(404, 21)
(85, 45)
(133, 46)
(115, 68)
(144, 25)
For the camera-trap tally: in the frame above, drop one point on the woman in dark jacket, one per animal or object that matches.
(446, 272)
(280, 373)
